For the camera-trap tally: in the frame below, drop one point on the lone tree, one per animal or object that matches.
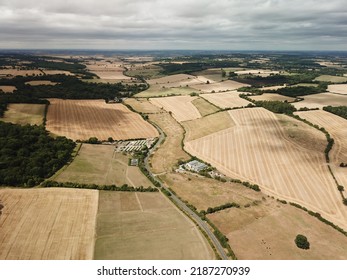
(302, 242)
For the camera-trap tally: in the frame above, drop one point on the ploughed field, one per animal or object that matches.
(82, 119)
(53, 224)
(257, 149)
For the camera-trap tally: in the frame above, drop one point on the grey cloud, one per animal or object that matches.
(168, 24)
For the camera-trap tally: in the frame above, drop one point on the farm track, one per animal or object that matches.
(257, 150)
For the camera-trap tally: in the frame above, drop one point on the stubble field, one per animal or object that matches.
(320, 100)
(226, 99)
(257, 150)
(341, 89)
(47, 224)
(181, 107)
(8, 89)
(337, 128)
(82, 119)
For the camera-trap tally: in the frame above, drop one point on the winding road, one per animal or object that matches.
(180, 204)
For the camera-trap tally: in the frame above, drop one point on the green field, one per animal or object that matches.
(24, 114)
(99, 164)
(330, 78)
(145, 226)
(205, 108)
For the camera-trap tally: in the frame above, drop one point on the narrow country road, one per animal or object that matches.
(180, 204)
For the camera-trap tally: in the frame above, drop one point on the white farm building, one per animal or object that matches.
(195, 166)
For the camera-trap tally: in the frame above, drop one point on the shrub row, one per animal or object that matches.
(211, 210)
(123, 188)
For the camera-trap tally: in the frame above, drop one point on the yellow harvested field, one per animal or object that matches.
(82, 119)
(146, 226)
(321, 100)
(170, 152)
(41, 83)
(162, 91)
(226, 99)
(108, 70)
(101, 165)
(57, 72)
(181, 107)
(219, 87)
(142, 105)
(172, 79)
(267, 232)
(272, 88)
(257, 150)
(207, 125)
(337, 128)
(205, 108)
(48, 224)
(8, 89)
(24, 114)
(273, 97)
(341, 89)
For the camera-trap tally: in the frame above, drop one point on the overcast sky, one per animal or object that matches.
(174, 24)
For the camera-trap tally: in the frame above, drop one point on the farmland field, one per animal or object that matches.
(99, 164)
(24, 114)
(321, 99)
(273, 97)
(16, 72)
(142, 105)
(40, 83)
(171, 79)
(207, 125)
(267, 231)
(257, 150)
(159, 90)
(8, 89)
(140, 226)
(108, 70)
(226, 99)
(204, 107)
(220, 86)
(203, 192)
(341, 89)
(332, 79)
(181, 107)
(170, 152)
(336, 126)
(82, 119)
(47, 224)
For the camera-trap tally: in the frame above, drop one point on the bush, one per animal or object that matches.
(340, 188)
(302, 242)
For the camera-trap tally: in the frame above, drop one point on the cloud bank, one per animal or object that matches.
(188, 24)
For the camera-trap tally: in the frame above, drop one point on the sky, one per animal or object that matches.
(174, 24)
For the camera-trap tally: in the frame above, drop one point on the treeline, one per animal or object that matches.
(228, 205)
(273, 106)
(275, 79)
(28, 154)
(300, 90)
(339, 110)
(190, 67)
(123, 188)
(70, 87)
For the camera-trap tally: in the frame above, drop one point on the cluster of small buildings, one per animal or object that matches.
(133, 145)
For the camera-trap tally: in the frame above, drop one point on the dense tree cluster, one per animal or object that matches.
(273, 106)
(302, 242)
(339, 110)
(28, 154)
(300, 90)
